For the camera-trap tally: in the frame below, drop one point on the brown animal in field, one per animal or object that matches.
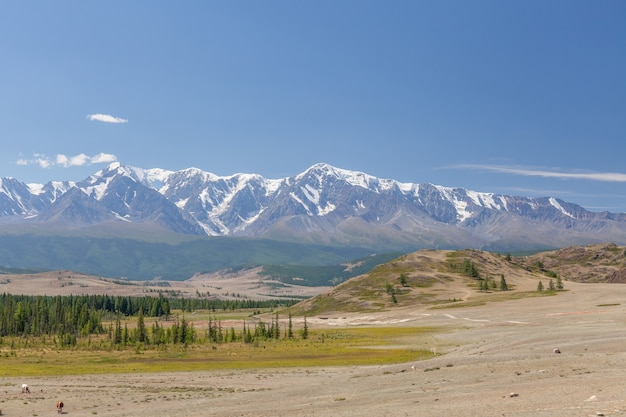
(25, 389)
(59, 407)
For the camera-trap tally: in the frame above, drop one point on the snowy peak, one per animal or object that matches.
(323, 204)
(325, 173)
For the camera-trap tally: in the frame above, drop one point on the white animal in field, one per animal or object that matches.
(557, 350)
(25, 389)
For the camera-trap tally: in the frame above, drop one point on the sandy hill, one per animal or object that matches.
(437, 277)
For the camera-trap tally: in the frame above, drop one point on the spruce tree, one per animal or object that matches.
(290, 328)
(305, 330)
(117, 339)
(142, 333)
(276, 332)
(403, 280)
(503, 285)
(559, 283)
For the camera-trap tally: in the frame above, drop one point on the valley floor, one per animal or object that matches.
(493, 360)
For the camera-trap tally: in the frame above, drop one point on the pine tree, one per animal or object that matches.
(540, 286)
(503, 285)
(403, 280)
(142, 333)
(117, 339)
(125, 335)
(559, 283)
(305, 330)
(276, 332)
(247, 334)
(183, 331)
(290, 328)
(470, 269)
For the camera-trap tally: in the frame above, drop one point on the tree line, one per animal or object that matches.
(70, 317)
(184, 333)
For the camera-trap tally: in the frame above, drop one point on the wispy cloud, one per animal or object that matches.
(539, 172)
(106, 118)
(45, 161)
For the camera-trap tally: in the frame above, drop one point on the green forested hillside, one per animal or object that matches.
(326, 275)
(141, 260)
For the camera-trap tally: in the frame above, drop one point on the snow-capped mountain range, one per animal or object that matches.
(323, 204)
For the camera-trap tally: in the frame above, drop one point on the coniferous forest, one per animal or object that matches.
(65, 319)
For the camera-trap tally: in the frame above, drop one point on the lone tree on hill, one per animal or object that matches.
(470, 269)
(540, 286)
(503, 285)
(403, 280)
(392, 292)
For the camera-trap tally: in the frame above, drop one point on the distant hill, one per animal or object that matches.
(454, 278)
(147, 260)
(592, 263)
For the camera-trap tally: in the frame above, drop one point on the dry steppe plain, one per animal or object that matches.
(493, 358)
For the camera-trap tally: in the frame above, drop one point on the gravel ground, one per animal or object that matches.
(494, 360)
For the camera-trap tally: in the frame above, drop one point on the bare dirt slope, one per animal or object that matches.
(592, 263)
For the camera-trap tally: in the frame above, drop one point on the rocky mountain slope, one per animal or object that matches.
(323, 205)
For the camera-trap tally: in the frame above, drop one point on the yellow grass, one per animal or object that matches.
(332, 347)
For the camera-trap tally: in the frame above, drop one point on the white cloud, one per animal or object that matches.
(103, 158)
(72, 161)
(38, 159)
(65, 161)
(106, 118)
(535, 172)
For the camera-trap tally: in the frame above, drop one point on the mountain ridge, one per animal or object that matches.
(323, 204)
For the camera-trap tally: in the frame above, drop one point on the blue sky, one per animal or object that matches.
(514, 97)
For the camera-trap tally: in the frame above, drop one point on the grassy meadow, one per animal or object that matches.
(322, 347)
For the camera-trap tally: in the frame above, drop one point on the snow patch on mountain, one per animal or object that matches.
(559, 207)
(34, 189)
(272, 186)
(408, 188)
(302, 203)
(98, 190)
(486, 200)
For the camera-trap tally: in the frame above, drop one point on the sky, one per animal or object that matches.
(526, 98)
